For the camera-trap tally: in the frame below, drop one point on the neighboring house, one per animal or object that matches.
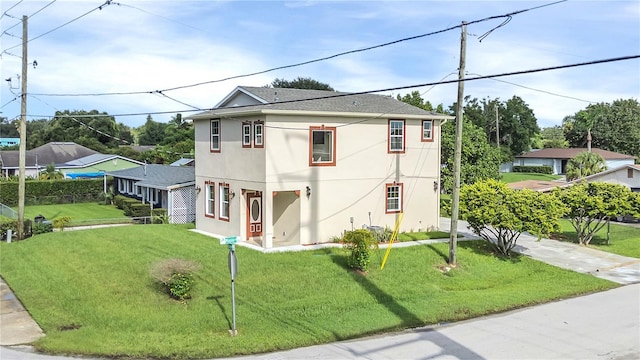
(184, 162)
(277, 168)
(37, 159)
(9, 141)
(164, 186)
(95, 165)
(557, 158)
(627, 175)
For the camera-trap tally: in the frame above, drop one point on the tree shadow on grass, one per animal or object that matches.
(482, 247)
(408, 318)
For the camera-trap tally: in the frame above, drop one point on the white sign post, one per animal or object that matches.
(233, 270)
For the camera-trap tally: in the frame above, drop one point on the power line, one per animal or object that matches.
(160, 16)
(108, 2)
(538, 90)
(337, 95)
(28, 17)
(9, 9)
(508, 15)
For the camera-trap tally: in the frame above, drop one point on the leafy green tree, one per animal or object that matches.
(584, 164)
(553, 137)
(499, 214)
(592, 204)
(152, 132)
(614, 126)
(479, 160)
(9, 129)
(518, 126)
(300, 83)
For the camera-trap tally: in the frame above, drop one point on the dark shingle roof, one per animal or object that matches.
(51, 153)
(157, 176)
(559, 153)
(325, 101)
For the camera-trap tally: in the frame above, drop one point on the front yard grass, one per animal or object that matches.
(92, 294)
(511, 177)
(623, 239)
(90, 213)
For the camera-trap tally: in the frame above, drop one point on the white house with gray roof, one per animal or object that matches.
(164, 186)
(289, 166)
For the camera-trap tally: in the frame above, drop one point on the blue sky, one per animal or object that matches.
(131, 46)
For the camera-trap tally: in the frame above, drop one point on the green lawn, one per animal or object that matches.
(623, 239)
(423, 235)
(80, 214)
(92, 294)
(511, 177)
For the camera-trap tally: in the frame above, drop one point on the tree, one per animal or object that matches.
(592, 204)
(152, 132)
(614, 127)
(50, 173)
(553, 137)
(479, 160)
(517, 124)
(584, 164)
(499, 214)
(300, 83)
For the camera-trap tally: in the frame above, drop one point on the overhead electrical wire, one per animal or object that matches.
(108, 2)
(512, 73)
(28, 17)
(5, 13)
(310, 61)
(538, 90)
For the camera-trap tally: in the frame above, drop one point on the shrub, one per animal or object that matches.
(176, 277)
(42, 228)
(160, 216)
(445, 206)
(359, 243)
(61, 222)
(6, 224)
(543, 169)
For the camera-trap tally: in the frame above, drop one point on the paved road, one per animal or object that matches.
(604, 326)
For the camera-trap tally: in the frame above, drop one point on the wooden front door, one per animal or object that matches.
(254, 215)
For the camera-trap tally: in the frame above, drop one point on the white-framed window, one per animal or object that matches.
(210, 199)
(427, 130)
(396, 136)
(258, 134)
(394, 195)
(215, 135)
(322, 146)
(224, 201)
(246, 134)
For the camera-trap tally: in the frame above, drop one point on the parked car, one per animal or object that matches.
(626, 218)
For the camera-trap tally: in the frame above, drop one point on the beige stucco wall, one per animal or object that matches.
(354, 187)
(619, 177)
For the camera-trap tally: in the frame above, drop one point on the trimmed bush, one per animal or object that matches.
(53, 191)
(445, 206)
(176, 277)
(544, 169)
(359, 243)
(42, 228)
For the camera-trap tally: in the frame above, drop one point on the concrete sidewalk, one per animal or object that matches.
(16, 325)
(571, 256)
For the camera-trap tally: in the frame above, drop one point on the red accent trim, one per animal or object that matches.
(400, 197)
(422, 138)
(275, 193)
(334, 140)
(206, 201)
(211, 149)
(261, 123)
(244, 125)
(297, 193)
(220, 217)
(404, 137)
(256, 227)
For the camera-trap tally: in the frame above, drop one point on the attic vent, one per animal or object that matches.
(276, 96)
(355, 103)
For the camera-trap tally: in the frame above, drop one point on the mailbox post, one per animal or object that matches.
(233, 270)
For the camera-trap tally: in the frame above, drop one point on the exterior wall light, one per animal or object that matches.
(308, 192)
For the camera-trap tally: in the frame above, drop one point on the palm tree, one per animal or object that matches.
(585, 164)
(50, 173)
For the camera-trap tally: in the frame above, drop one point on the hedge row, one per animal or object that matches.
(53, 191)
(543, 169)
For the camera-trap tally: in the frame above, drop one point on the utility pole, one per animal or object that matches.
(23, 133)
(455, 199)
(497, 128)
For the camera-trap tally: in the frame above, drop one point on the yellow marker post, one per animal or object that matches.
(393, 238)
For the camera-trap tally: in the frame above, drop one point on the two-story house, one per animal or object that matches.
(289, 166)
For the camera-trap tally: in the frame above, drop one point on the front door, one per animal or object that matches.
(254, 215)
